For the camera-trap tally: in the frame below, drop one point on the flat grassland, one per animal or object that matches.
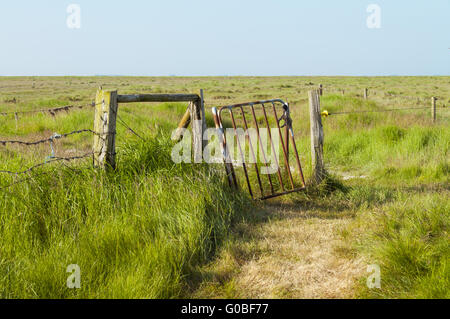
(155, 229)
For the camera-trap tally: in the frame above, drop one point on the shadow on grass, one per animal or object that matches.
(331, 200)
(239, 248)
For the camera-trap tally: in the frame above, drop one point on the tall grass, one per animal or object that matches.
(135, 233)
(402, 202)
(409, 240)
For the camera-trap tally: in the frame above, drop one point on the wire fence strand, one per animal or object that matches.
(50, 139)
(51, 111)
(376, 93)
(379, 111)
(22, 181)
(52, 160)
(121, 121)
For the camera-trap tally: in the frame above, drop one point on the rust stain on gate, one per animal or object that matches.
(262, 115)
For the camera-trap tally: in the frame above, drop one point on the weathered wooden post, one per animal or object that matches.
(186, 120)
(316, 137)
(320, 89)
(203, 114)
(433, 109)
(366, 93)
(104, 149)
(184, 124)
(197, 108)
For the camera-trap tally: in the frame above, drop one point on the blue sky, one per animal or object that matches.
(232, 37)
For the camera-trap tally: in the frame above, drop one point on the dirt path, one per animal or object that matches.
(294, 254)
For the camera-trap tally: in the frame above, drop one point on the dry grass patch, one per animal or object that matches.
(294, 255)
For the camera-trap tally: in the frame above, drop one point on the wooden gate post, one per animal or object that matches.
(105, 129)
(184, 124)
(316, 137)
(433, 109)
(198, 127)
(202, 105)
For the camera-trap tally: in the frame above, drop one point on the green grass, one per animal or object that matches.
(135, 233)
(408, 238)
(143, 231)
(401, 207)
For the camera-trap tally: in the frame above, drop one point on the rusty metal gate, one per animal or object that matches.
(260, 137)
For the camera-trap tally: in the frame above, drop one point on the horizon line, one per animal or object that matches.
(248, 75)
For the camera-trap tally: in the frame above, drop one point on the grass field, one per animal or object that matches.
(155, 229)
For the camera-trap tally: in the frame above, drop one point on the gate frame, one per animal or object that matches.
(106, 110)
(231, 175)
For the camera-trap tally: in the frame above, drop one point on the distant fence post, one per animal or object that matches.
(320, 89)
(197, 108)
(316, 137)
(366, 93)
(16, 117)
(105, 129)
(433, 109)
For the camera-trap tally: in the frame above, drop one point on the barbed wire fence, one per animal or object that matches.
(51, 111)
(367, 92)
(327, 113)
(436, 102)
(52, 158)
(317, 130)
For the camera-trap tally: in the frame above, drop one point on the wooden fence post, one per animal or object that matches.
(316, 137)
(320, 89)
(198, 127)
(433, 109)
(16, 117)
(184, 124)
(105, 129)
(366, 93)
(202, 101)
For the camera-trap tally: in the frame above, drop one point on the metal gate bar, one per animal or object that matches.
(289, 136)
(262, 147)
(242, 154)
(231, 175)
